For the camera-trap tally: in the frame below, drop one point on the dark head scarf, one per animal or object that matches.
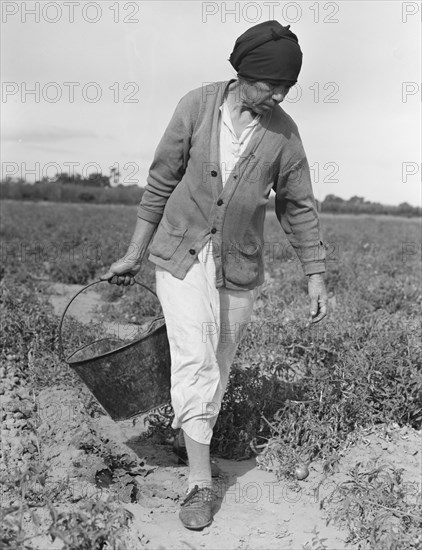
(267, 51)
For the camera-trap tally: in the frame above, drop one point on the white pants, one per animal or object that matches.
(204, 327)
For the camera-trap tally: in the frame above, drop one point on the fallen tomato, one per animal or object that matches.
(301, 471)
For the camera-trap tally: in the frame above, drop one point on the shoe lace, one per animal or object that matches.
(198, 495)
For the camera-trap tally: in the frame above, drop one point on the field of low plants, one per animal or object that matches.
(298, 393)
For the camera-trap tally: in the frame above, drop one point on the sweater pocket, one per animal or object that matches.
(242, 264)
(167, 239)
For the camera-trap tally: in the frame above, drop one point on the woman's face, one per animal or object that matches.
(262, 96)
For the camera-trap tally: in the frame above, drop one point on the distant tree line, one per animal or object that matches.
(97, 188)
(93, 180)
(358, 205)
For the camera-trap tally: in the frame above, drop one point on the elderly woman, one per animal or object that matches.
(226, 147)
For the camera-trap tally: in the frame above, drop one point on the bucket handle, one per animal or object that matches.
(61, 354)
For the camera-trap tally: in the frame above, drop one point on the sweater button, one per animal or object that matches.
(213, 173)
(192, 251)
(213, 230)
(219, 202)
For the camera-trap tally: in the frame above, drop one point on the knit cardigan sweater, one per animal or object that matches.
(185, 196)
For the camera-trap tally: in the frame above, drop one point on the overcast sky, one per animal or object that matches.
(127, 64)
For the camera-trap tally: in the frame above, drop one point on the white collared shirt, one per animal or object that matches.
(232, 147)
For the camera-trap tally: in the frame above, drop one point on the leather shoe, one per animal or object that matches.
(196, 509)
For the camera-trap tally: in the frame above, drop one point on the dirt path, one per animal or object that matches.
(253, 510)
(85, 309)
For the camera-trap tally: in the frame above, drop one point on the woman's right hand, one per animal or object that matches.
(123, 271)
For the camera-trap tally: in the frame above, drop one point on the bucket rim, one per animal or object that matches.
(60, 336)
(120, 418)
(83, 362)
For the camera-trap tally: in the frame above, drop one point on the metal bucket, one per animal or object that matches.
(126, 379)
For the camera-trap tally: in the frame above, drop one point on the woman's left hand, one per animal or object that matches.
(318, 295)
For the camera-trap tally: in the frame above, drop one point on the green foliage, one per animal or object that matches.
(352, 375)
(64, 243)
(12, 532)
(93, 525)
(96, 525)
(251, 397)
(377, 508)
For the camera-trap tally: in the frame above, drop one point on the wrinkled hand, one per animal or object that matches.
(318, 296)
(123, 271)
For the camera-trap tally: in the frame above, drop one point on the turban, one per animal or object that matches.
(267, 51)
